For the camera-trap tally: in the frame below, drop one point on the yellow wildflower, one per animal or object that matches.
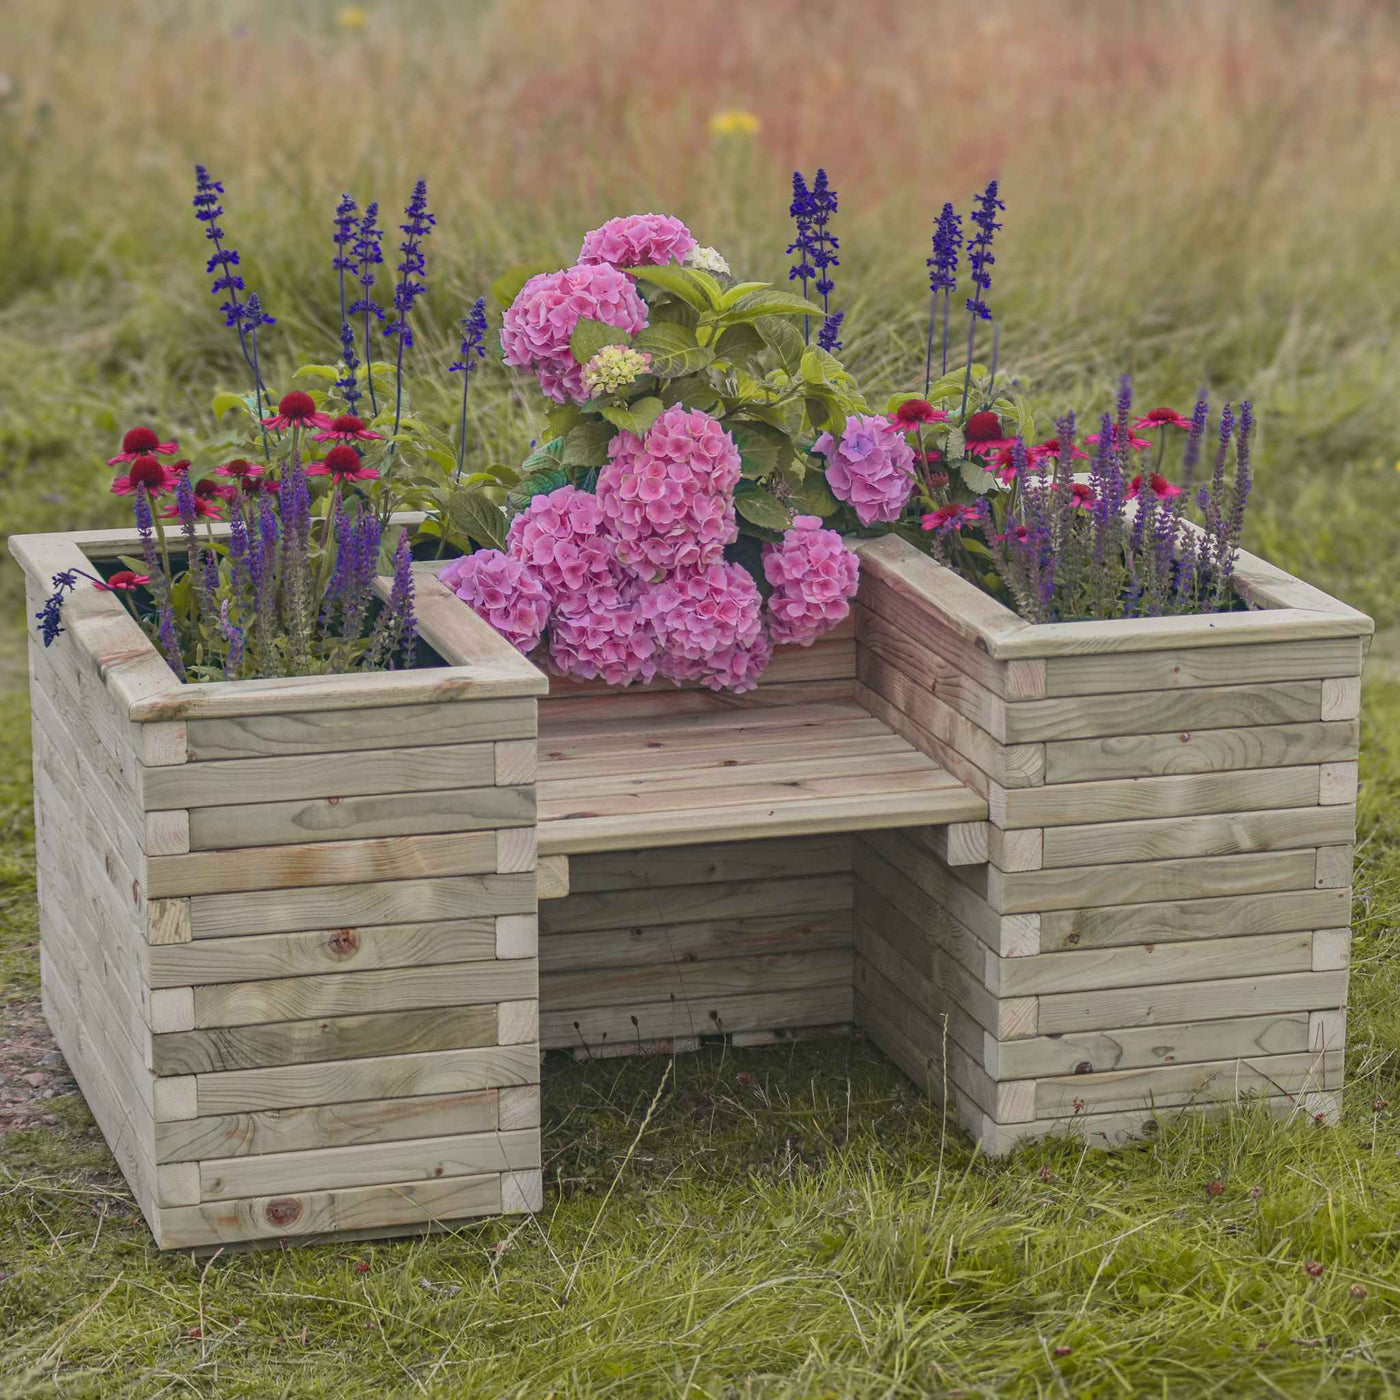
(734, 121)
(352, 17)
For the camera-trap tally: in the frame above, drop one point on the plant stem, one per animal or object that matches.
(967, 378)
(369, 363)
(928, 353)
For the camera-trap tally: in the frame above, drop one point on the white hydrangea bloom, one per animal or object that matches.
(707, 260)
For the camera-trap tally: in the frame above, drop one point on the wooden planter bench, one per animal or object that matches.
(304, 940)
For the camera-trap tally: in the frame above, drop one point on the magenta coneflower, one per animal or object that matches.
(140, 442)
(1051, 448)
(297, 410)
(1136, 443)
(1083, 496)
(348, 428)
(123, 581)
(1162, 418)
(240, 469)
(146, 471)
(1156, 483)
(344, 464)
(952, 517)
(208, 501)
(983, 435)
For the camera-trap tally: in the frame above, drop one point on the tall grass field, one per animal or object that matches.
(1199, 192)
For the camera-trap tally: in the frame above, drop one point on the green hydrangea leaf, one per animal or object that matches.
(636, 417)
(589, 337)
(813, 497)
(760, 508)
(587, 444)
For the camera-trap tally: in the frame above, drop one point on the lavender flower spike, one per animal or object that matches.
(942, 277)
(824, 243)
(407, 291)
(979, 259)
(802, 270)
(828, 338)
(472, 353)
(368, 254)
(343, 238)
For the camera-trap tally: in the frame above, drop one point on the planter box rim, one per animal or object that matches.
(1282, 609)
(481, 663)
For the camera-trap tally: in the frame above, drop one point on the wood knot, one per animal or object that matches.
(333, 802)
(1084, 1067)
(1184, 738)
(1071, 938)
(343, 942)
(285, 1210)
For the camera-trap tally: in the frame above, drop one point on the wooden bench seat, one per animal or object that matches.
(735, 775)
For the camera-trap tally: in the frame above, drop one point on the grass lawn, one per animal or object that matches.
(1196, 192)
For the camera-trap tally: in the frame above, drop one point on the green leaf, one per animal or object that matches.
(813, 497)
(330, 373)
(694, 391)
(975, 546)
(977, 478)
(687, 284)
(741, 344)
(763, 449)
(589, 337)
(953, 445)
(562, 417)
(224, 402)
(769, 303)
(587, 444)
(738, 292)
(544, 458)
(537, 483)
(471, 514)
(635, 418)
(507, 286)
(673, 350)
(783, 339)
(826, 414)
(760, 508)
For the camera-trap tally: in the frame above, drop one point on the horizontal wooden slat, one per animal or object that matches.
(634, 706)
(1209, 666)
(1200, 751)
(349, 993)
(1174, 837)
(780, 858)
(1151, 711)
(424, 1159)
(327, 1125)
(1130, 799)
(1231, 915)
(1084, 886)
(402, 1204)
(328, 1038)
(316, 730)
(231, 782)
(386, 1076)
(219, 960)
(263, 868)
(343, 818)
(1184, 1001)
(593, 1028)
(351, 906)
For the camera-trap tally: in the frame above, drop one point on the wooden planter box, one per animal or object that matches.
(1164, 915)
(288, 927)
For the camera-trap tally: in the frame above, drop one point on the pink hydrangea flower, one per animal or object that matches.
(637, 240)
(504, 592)
(538, 323)
(872, 470)
(563, 539)
(600, 633)
(814, 576)
(735, 668)
(699, 612)
(669, 497)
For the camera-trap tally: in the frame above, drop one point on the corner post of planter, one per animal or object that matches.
(1163, 916)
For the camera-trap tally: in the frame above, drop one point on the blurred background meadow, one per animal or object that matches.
(1200, 192)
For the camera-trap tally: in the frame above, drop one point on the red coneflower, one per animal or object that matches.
(1017, 532)
(145, 471)
(982, 434)
(1136, 443)
(240, 469)
(1083, 496)
(208, 501)
(1157, 484)
(123, 581)
(297, 410)
(952, 517)
(1162, 418)
(929, 457)
(1051, 448)
(139, 442)
(912, 412)
(344, 464)
(348, 428)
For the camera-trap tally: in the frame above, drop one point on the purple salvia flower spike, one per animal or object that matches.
(942, 277)
(407, 290)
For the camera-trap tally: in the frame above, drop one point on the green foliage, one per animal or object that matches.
(589, 337)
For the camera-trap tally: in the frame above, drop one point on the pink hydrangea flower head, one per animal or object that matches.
(814, 577)
(504, 592)
(736, 667)
(669, 498)
(562, 538)
(637, 240)
(698, 612)
(599, 633)
(537, 325)
(873, 468)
